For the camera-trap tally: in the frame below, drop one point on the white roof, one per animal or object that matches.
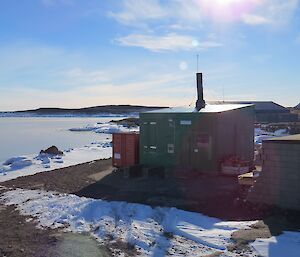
(209, 108)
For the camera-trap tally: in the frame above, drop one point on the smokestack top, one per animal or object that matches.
(200, 100)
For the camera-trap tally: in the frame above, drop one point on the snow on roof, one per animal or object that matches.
(297, 106)
(209, 108)
(258, 105)
(290, 139)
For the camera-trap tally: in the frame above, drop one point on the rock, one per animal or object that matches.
(53, 150)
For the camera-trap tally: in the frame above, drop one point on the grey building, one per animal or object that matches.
(267, 111)
(279, 182)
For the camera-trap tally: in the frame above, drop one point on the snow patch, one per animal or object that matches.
(153, 231)
(107, 128)
(261, 135)
(287, 244)
(32, 164)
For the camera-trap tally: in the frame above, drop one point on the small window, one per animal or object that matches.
(185, 122)
(171, 148)
(171, 123)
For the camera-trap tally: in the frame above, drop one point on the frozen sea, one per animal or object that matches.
(28, 135)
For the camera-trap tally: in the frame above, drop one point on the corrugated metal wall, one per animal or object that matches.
(195, 140)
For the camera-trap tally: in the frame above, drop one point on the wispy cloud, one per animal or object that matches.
(168, 42)
(271, 12)
(252, 19)
(136, 11)
(198, 12)
(99, 93)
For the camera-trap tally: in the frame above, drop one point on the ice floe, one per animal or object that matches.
(153, 231)
(32, 164)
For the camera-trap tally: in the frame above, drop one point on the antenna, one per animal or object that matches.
(197, 63)
(223, 94)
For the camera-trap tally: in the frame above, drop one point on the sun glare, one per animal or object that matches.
(226, 2)
(225, 10)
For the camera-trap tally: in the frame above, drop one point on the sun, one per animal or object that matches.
(224, 2)
(225, 10)
(227, 2)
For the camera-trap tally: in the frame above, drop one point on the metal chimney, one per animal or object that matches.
(200, 101)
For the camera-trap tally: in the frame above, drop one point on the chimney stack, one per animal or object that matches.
(200, 101)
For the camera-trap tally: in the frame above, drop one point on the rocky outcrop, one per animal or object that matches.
(53, 150)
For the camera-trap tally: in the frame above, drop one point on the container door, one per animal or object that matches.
(200, 144)
(184, 151)
(130, 150)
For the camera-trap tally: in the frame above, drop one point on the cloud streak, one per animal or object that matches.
(168, 42)
(199, 12)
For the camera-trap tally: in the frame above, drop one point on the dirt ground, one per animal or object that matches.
(19, 236)
(217, 197)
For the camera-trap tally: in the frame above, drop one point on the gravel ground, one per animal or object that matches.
(20, 237)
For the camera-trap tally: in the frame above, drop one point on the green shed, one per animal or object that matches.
(196, 139)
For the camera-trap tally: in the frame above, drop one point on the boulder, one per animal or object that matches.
(53, 150)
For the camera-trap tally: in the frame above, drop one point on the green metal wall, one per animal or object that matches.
(195, 140)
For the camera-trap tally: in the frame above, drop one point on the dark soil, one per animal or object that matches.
(213, 196)
(66, 180)
(19, 238)
(128, 122)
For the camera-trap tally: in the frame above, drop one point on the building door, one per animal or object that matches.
(196, 151)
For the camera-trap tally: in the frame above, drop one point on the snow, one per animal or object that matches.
(154, 231)
(107, 128)
(261, 135)
(287, 244)
(32, 164)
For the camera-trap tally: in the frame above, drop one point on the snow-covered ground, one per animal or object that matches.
(287, 244)
(153, 231)
(32, 164)
(107, 128)
(261, 135)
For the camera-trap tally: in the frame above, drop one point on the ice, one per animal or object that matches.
(287, 244)
(16, 163)
(107, 128)
(32, 164)
(261, 135)
(154, 231)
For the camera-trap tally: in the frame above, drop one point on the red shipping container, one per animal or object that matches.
(125, 149)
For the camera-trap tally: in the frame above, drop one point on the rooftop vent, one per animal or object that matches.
(200, 101)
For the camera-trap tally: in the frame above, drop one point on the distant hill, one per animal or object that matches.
(87, 111)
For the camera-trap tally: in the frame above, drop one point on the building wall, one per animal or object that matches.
(165, 137)
(236, 133)
(268, 117)
(196, 140)
(278, 183)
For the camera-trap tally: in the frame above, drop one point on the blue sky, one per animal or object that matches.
(76, 53)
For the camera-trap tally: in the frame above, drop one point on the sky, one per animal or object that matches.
(79, 53)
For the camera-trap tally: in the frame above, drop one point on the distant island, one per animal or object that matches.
(104, 110)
